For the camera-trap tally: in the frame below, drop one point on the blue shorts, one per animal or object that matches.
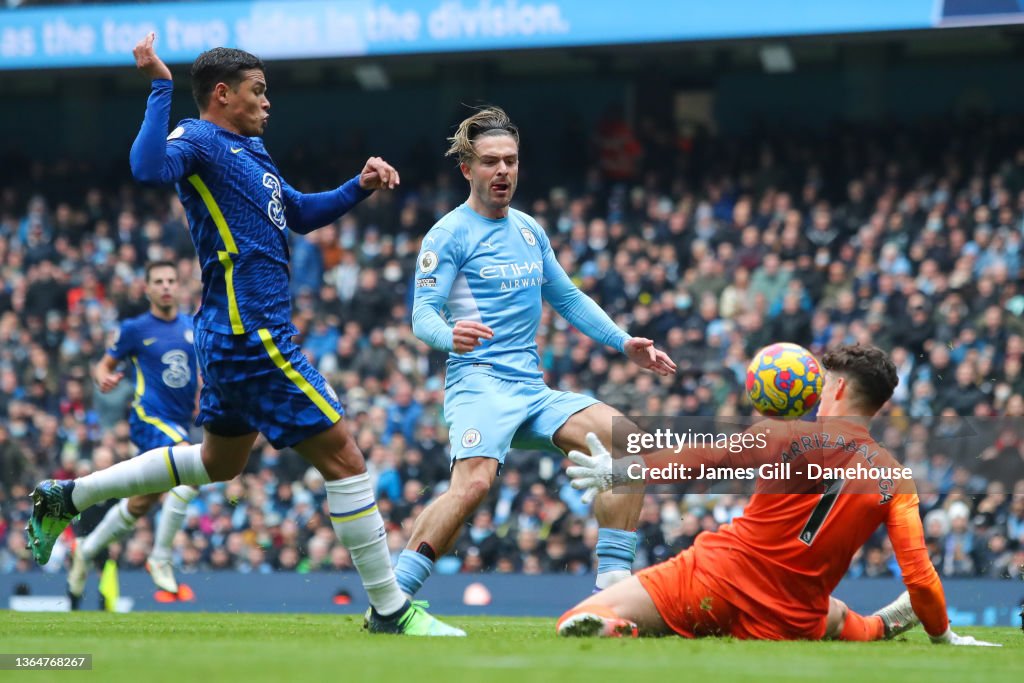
(148, 431)
(262, 382)
(487, 415)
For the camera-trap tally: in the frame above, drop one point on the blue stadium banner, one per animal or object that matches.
(103, 35)
(970, 601)
(981, 12)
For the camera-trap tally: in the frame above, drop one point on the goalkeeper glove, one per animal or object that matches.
(950, 638)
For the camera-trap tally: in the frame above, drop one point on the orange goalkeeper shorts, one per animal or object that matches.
(684, 601)
(693, 610)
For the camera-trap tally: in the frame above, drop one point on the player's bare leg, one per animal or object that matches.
(360, 528)
(844, 624)
(622, 610)
(617, 511)
(225, 456)
(836, 618)
(438, 527)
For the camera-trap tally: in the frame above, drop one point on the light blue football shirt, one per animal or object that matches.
(497, 271)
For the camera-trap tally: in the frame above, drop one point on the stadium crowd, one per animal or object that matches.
(711, 247)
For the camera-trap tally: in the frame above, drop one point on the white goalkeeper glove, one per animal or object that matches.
(594, 473)
(950, 638)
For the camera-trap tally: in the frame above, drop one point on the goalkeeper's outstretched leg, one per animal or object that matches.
(624, 609)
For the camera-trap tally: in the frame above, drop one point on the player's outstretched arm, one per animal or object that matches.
(583, 313)
(152, 159)
(643, 352)
(307, 212)
(147, 61)
(922, 581)
(378, 174)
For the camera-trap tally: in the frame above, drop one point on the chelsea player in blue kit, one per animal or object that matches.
(482, 273)
(256, 379)
(159, 346)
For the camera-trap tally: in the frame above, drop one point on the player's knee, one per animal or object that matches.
(472, 491)
(222, 469)
(837, 611)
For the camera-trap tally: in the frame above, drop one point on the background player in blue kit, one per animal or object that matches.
(256, 379)
(159, 346)
(482, 273)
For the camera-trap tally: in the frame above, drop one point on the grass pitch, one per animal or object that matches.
(208, 648)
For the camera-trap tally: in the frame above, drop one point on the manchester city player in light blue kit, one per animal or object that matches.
(256, 378)
(482, 272)
(159, 346)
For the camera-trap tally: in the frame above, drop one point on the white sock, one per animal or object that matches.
(172, 517)
(114, 525)
(160, 469)
(609, 578)
(360, 528)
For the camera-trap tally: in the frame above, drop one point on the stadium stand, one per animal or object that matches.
(909, 239)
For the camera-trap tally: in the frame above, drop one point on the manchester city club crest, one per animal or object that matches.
(470, 438)
(528, 236)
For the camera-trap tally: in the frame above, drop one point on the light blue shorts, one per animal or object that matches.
(487, 415)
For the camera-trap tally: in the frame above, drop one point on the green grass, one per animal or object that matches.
(211, 648)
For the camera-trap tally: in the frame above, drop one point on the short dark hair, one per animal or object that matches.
(220, 65)
(868, 368)
(153, 265)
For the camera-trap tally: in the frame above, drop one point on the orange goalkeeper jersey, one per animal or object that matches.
(799, 532)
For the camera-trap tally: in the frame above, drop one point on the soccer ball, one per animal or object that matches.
(784, 380)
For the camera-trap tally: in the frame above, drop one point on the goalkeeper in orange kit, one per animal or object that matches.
(770, 574)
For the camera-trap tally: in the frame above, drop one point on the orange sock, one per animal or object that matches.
(599, 610)
(860, 628)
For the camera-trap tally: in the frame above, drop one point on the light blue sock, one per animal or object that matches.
(616, 550)
(412, 570)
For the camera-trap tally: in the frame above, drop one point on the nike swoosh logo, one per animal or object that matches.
(236, 150)
(147, 342)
